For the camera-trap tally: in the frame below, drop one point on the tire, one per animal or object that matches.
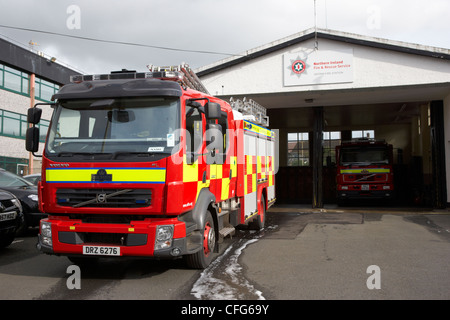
(260, 220)
(6, 240)
(202, 258)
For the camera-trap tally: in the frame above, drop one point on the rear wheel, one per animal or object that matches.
(203, 257)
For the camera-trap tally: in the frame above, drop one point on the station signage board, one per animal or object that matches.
(317, 67)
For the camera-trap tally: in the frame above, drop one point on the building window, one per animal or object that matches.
(14, 165)
(358, 134)
(44, 90)
(298, 149)
(14, 80)
(330, 141)
(11, 124)
(15, 125)
(19, 82)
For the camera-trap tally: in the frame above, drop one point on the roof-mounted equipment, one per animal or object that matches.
(182, 74)
(251, 110)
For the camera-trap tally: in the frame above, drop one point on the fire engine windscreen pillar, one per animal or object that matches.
(317, 158)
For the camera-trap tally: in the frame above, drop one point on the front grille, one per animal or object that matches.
(7, 204)
(364, 178)
(104, 198)
(105, 238)
(78, 238)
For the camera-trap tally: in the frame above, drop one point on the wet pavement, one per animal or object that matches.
(326, 254)
(330, 253)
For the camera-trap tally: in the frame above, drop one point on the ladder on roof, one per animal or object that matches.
(188, 79)
(251, 110)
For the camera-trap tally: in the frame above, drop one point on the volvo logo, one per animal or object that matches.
(101, 198)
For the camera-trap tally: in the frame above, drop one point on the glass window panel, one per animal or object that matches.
(12, 70)
(13, 82)
(292, 136)
(11, 115)
(25, 84)
(331, 140)
(298, 149)
(46, 92)
(23, 127)
(43, 132)
(357, 134)
(11, 127)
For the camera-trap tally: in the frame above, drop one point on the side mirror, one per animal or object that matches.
(34, 115)
(32, 139)
(212, 111)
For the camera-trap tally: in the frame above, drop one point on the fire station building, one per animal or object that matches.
(323, 87)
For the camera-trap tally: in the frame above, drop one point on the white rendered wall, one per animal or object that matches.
(372, 68)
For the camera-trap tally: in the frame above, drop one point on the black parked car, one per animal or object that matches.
(33, 178)
(11, 217)
(26, 192)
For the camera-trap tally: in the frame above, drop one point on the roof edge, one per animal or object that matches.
(380, 43)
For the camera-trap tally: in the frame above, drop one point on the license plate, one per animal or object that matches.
(365, 187)
(101, 251)
(7, 216)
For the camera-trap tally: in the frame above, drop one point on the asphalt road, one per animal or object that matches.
(331, 254)
(301, 254)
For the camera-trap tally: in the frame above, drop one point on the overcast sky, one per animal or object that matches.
(223, 27)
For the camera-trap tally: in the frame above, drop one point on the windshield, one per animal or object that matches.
(8, 179)
(364, 155)
(114, 127)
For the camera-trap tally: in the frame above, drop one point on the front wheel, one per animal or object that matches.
(203, 257)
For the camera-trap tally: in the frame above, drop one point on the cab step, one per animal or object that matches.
(227, 231)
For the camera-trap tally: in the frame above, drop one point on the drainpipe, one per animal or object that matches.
(32, 94)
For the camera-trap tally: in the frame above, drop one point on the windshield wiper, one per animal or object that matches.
(88, 154)
(351, 164)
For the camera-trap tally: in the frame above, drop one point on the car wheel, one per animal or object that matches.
(6, 240)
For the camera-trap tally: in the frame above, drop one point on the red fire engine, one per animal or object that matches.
(364, 170)
(149, 164)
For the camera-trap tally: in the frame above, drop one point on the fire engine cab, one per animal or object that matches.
(148, 164)
(364, 170)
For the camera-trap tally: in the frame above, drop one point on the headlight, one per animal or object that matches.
(17, 203)
(33, 197)
(46, 233)
(163, 237)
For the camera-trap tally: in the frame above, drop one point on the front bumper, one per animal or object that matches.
(136, 239)
(372, 194)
